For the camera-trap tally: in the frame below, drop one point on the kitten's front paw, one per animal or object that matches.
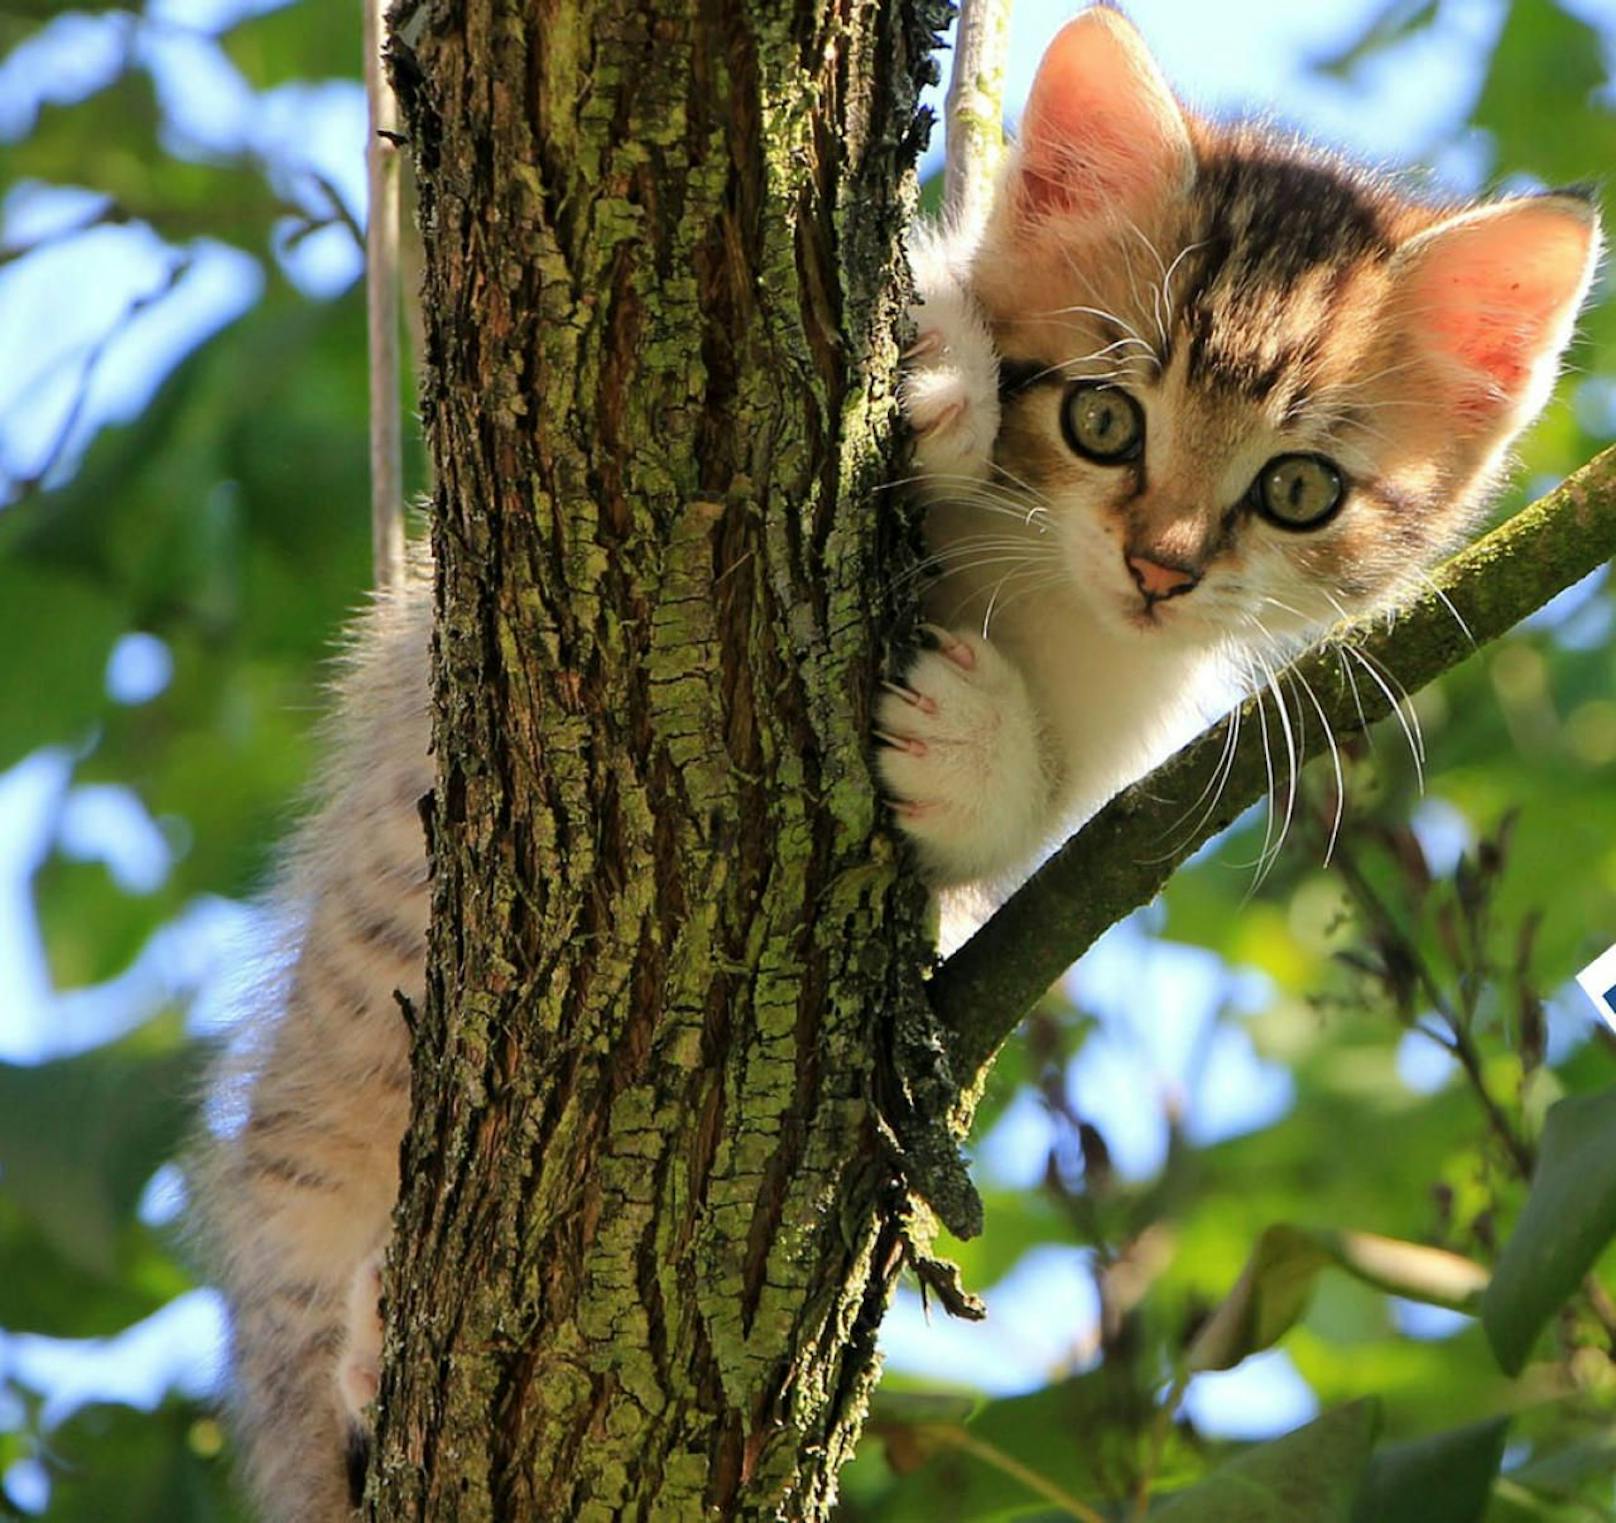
(359, 1369)
(961, 759)
(950, 391)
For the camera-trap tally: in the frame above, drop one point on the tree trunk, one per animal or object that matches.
(647, 1230)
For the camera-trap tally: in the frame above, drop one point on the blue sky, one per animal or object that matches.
(1240, 55)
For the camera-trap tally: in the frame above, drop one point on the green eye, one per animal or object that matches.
(1297, 491)
(1103, 423)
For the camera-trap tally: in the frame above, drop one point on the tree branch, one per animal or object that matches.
(974, 110)
(380, 243)
(1122, 857)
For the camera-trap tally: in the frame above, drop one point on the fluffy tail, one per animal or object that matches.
(303, 1460)
(299, 1175)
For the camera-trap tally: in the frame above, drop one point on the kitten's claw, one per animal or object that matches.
(929, 341)
(908, 695)
(938, 422)
(955, 649)
(960, 757)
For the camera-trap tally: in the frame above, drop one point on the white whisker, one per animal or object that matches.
(1357, 698)
(1020, 483)
(1172, 270)
(1335, 761)
(994, 605)
(1270, 794)
(1411, 733)
(1215, 785)
(1290, 788)
(1447, 602)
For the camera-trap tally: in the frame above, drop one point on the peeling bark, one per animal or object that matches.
(647, 1229)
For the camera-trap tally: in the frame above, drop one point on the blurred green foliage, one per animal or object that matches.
(227, 520)
(1520, 744)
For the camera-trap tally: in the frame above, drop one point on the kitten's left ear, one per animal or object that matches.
(1101, 132)
(1490, 297)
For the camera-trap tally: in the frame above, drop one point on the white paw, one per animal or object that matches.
(359, 1369)
(960, 757)
(950, 390)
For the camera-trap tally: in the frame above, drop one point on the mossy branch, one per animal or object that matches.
(1123, 856)
(974, 110)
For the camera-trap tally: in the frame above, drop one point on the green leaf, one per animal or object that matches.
(93, 926)
(112, 142)
(43, 1292)
(230, 521)
(1309, 1476)
(1563, 1472)
(1569, 1217)
(1077, 1439)
(1274, 1288)
(308, 41)
(1428, 1385)
(111, 1462)
(1446, 1478)
(56, 698)
(80, 1138)
(1539, 100)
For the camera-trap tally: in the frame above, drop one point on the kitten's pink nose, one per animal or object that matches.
(1157, 581)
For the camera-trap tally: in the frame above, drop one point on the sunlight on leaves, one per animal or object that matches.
(1277, 1282)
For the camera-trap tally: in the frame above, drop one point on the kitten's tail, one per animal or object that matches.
(288, 1418)
(262, 1193)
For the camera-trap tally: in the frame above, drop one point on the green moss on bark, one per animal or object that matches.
(647, 1231)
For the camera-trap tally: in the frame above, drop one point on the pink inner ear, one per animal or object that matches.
(1101, 126)
(1497, 291)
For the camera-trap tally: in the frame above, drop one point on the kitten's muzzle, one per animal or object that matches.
(1159, 580)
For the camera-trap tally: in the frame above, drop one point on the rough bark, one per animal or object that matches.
(648, 1227)
(653, 1202)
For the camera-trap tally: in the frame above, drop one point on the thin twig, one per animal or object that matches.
(382, 307)
(990, 1454)
(1160, 1429)
(1462, 1046)
(974, 110)
(338, 214)
(1460, 1043)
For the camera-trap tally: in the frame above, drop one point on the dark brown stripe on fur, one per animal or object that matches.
(284, 1169)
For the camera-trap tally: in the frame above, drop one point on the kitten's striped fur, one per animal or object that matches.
(1255, 297)
(298, 1196)
(1253, 300)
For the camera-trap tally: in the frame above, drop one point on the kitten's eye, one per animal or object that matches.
(1297, 491)
(1102, 422)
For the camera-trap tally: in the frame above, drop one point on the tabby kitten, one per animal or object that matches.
(1190, 394)
(1194, 394)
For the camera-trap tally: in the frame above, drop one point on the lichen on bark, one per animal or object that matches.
(648, 1226)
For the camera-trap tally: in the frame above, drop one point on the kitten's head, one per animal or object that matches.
(1256, 388)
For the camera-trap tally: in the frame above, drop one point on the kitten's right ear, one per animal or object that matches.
(1102, 133)
(1489, 298)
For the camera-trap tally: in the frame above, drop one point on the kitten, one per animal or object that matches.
(296, 1198)
(1194, 394)
(1190, 394)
